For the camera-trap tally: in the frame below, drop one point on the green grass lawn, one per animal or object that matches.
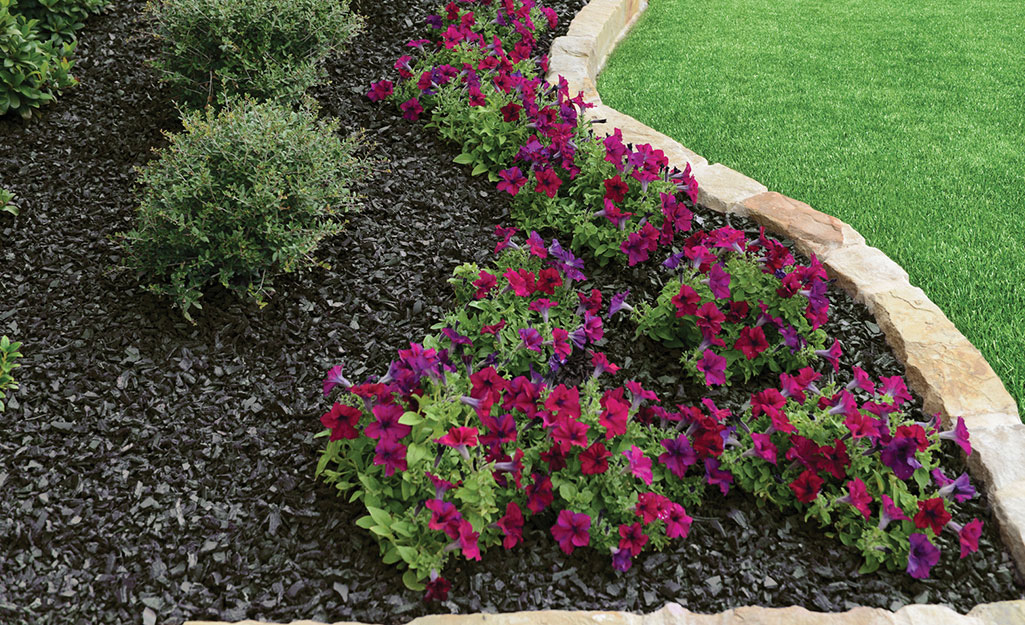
(904, 119)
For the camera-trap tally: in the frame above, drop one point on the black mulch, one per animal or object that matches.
(155, 471)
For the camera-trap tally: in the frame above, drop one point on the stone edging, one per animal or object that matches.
(942, 366)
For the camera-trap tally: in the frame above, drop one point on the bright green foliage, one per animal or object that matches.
(33, 70)
(8, 354)
(239, 196)
(903, 119)
(59, 19)
(213, 49)
(6, 206)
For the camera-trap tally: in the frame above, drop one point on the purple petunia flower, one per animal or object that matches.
(392, 455)
(857, 495)
(716, 476)
(960, 489)
(832, 355)
(714, 368)
(679, 455)
(531, 339)
(922, 556)
(890, 512)
(899, 455)
(618, 303)
(411, 109)
(512, 180)
(380, 90)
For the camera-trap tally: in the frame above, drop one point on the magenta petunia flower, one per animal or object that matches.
(709, 319)
(639, 394)
(505, 236)
(542, 306)
(511, 525)
(512, 180)
(445, 517)
(468, 541)
(548, 182)
(763, 447)
(718, 281)
(589, 303)
(392, 455)
(614, 149)
(595, 459)
(857, 495)
(632, 538)
(640, 465)
(572, 530)
(411, 109)
(806, 487)
(342, 421)
(570, 432)
(651, 507)
(959, 435)
(460, 439)
(678, 522)
(861, 380)
(440, 486)
(335, 378)
(751, 342)
(614, 415)
(922, 556)
(386, 425)
(380, 90)
(968, 536)
(522, 282)
(601, 364)
(894, 388)
(476, 96)
(561, 344)
(485, 283)
(832, 355)
(494, 328)
(679, 455)
(618, 303)
(714, 368)
(539, 493)
(547, 280)
(890, 512)
(501, 429)
(686, 301)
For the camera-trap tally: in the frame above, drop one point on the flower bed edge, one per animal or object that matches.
(943, 367)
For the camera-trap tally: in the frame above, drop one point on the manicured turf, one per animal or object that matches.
(906, 120)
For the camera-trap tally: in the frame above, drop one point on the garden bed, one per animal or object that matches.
(152, 468)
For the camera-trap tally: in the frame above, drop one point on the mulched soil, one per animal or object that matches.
(155, 471)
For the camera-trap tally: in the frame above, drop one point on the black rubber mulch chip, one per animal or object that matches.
(156, 471)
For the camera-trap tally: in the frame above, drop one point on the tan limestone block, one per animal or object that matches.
(637, 133)
(724, 190)
(1009, 510)
(1000, 612)
(812, 231)
(674, 614)
(795, 615)
(954, 380)
(603, 20)
(931, 615)
(905, 314)
(998, 455)
(543, 617)
(866, 272)
(572, 57)
(250, 622)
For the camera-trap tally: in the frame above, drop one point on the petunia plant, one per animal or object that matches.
(852, 458)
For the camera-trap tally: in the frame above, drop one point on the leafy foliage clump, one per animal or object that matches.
(241, 195)
(34, 69)
(214, 49)
(8, 354)
(59, 19)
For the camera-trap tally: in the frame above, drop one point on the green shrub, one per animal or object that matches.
(32, 70)
(213, 49)
(8, 354)
(59, 19)
(239, 196)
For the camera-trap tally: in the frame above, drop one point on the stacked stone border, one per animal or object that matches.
(942, 366)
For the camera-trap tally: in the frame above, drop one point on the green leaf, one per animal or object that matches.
(464, 159)
(381, 531)
(410, 580)
(366, 522)
(479, 169)
(410, 418)
(380, 516)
